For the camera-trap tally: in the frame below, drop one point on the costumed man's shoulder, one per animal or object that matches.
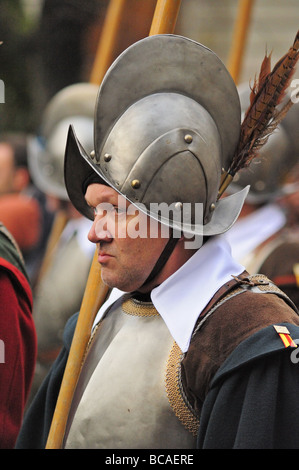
(249, 311)
(259, 370)
(257, 386)
(255, 302)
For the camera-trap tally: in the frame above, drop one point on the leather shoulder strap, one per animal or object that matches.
(257, 283)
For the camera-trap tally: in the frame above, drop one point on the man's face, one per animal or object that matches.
(126, 258)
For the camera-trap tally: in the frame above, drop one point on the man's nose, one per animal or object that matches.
(99, 231)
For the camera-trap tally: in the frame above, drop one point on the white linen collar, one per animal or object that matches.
(181, 298)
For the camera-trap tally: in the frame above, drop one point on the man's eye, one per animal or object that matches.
(106, 209)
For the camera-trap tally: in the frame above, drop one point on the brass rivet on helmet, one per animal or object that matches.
(188, 138)
(212, 207)
(107, 157)
(178, 206)
(92, 154)
(260, 185)
(135, 184)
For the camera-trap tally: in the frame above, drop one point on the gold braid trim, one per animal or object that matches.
(140, 309)
(93, 333)
(176, 396)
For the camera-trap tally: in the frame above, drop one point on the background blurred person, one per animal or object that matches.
(17, 339)
(62, 280)
(22, 205)
(265, 238)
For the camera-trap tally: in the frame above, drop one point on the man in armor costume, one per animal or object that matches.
(189, 350)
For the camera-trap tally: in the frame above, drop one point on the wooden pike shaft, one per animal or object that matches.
(165, 17)
(239, 38)
(164, 20)
(95, 294)
(107, 41)
(59, 224)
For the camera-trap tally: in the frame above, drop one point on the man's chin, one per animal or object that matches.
(124, 285)
(117, 283)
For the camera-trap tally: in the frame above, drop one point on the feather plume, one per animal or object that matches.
(263, 114)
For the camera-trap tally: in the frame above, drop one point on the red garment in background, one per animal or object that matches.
(18, 342)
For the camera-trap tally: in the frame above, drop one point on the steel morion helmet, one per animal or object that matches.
(167, 121)
(73, 104)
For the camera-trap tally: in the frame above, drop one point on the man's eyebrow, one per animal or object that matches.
(114, 200)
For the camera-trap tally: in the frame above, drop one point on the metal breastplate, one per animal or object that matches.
(128, 394)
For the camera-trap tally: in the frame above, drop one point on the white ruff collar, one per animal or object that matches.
(181, 298)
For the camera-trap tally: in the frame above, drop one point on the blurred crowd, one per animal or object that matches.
(51, 236)
(265, 239)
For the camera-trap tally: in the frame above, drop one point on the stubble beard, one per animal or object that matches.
(126, 280)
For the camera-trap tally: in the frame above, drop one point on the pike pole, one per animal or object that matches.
(164, 21)
(59, 223)
(239, 38)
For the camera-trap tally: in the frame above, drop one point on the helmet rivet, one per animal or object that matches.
(92, 154)
(188, 138)
(135, 184)
(178, 206)
(107, 157)
(212, 207)
(260, 185)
